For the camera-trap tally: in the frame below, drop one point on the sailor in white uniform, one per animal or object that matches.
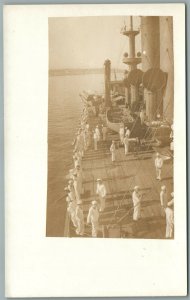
(163, 199)
(76, 162)
(113, 150)
(142, 116)
(121, 133)
(76, 187)
(128, 132)
(97, 131)
(126, 144)
(72, 212)
(158, 166)
(95, 137)
(104, 132)
(101, 192)
(71, 191)
(79, 219)
(93, 217)
(170, 217)
(79, 179)
(77, 157)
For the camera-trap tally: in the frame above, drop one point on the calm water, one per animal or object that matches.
(65, 108)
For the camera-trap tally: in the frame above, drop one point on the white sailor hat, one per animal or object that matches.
(136, 187)
(68, 199)
(94, 202)
(157, 154)
(98, 179)
(163, 187)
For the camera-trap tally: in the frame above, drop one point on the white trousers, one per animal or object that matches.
(80, 227)
(169, 222)
(137, 212)
(158, 173)
(121, 137)
(126, 148)
(73, 219)
(77, 192)
(113, 156)
(94, 228)
(102, 203)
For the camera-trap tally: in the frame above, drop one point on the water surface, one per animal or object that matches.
(65, 108)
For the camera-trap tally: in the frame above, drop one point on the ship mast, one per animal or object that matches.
(130, 58)
(107, 76)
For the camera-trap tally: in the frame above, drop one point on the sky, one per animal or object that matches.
(85, 42)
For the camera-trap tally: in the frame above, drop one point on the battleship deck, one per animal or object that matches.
(120, 177)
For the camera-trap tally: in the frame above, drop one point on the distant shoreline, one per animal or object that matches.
(65, 72)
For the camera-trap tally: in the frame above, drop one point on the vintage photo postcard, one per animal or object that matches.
(95, 150)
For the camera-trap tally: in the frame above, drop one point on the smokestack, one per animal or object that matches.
(150, 41)
(167, 65)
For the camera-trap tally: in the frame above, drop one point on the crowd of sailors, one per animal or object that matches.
(90, 137)
(75, 189)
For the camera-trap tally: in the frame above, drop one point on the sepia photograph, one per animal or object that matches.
(110, 127)
(95, 150)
